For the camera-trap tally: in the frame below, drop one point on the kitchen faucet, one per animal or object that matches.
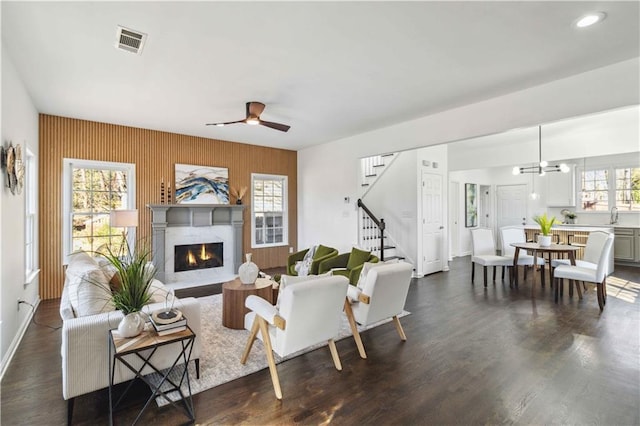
(614, 216)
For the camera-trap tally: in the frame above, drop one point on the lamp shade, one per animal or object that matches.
(124, 218)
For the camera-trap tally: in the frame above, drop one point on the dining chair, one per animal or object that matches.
(597, 276)
(515, 234)
(484, 253)
(309, 313)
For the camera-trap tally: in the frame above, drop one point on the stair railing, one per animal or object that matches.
(379, 224)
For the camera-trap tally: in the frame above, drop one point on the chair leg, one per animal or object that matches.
(484, 269)
(494, 274)
(70, 410)
(334, 355)
(252, 337)
(604, 290)
(577, 284)
(525, 273)
(542, 275)
(503, 273)
(396, 321)
(600, 296)
(354, 329)
(473, 271)
(556, 288)
(264, 330)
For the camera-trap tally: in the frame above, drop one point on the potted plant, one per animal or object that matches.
(135, 274)
(545, 228)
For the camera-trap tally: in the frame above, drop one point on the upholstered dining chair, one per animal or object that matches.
(515, 234)
(484, 253)
(596, 276)
(595, 242)
(309, 313)
(380, 294)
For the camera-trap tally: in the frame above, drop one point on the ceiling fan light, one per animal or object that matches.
(253, 121)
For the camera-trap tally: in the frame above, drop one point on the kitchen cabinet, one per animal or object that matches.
(626, 246)
(561, 188)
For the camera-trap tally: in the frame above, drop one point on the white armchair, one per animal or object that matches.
(309, 313)
(380, 294)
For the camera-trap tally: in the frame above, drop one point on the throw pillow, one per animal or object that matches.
(370, 265)
(111, 272)
(89, 291)
(322, 251)
(357, 258)
(286, 280)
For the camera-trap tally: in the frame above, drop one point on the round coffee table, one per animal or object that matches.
(234, 294)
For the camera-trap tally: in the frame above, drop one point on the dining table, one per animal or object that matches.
(534, 248)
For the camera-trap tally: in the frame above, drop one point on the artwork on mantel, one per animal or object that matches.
(471, 205)
(201, 184)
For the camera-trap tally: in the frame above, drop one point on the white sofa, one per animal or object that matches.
(85, 351)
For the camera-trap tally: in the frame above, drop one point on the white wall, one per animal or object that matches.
(19, 125)
(329, 172)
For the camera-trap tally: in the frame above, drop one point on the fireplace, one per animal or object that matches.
(191, 257)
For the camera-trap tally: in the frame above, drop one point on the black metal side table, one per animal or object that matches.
(143, 347)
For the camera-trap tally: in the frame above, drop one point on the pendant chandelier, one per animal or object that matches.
(543, 167)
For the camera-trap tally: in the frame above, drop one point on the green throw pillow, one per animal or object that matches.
(357, 258)
(322, 251)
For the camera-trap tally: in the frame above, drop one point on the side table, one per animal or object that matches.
(143, 347)
(234, 294)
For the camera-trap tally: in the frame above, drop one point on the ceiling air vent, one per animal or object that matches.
(130, 40)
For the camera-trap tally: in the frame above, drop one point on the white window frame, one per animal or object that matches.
(67, 177)
(611, 185)
(285, 212)
(30, 217)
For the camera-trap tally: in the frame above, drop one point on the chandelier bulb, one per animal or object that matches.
(516, 170)
(543, 163)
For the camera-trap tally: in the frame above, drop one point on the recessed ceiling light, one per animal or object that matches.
(590, 19)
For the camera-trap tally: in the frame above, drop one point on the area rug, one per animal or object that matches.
(222, 347)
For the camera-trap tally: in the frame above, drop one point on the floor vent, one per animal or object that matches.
(129, 40)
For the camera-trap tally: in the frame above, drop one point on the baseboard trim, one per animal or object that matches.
(18, 338)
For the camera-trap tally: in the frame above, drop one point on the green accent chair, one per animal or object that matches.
(322, 253)
(348, 264)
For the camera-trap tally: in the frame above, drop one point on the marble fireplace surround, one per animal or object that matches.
(222, 220)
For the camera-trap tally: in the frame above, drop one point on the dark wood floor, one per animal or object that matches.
(473, 356)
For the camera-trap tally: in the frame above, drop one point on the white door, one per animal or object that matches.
(454, 218)
(432, 226)
(512, 206)
(485, 206)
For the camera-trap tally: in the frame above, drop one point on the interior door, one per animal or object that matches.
(432, 225)
(512, 206)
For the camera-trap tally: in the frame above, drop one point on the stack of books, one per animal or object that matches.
(167, 322)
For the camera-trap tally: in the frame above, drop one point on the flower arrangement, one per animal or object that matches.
(239, 193)
(545, 223)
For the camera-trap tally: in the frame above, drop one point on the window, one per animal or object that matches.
(30, 220)
(595, 190)
(269, 221)
(91, 190)
(628, 189)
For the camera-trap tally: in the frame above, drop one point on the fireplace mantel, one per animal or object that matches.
(193, 215)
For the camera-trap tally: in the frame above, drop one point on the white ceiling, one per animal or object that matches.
(328, 69)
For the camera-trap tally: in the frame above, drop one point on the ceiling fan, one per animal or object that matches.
(254, 109)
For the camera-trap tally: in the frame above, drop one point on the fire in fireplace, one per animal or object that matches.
(190, 257)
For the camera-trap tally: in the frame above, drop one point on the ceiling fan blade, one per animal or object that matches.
(224, 124)
(254, 108)
(277, 126)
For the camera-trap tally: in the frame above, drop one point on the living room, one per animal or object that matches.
(321, 173)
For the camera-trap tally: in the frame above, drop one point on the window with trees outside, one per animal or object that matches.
(608, 187)
(628, 189)
(30, 220)
(269, 218)
(92, 189)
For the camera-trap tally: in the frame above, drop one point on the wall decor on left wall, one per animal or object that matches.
(202, 184)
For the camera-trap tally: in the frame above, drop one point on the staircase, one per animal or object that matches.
(371, 168)
(373, 237)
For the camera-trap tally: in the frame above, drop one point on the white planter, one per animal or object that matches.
(544, 240)
(131, 325)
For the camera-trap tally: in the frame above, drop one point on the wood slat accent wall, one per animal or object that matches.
(154, 153)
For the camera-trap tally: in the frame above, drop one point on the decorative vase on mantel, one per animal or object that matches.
(248, 271)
